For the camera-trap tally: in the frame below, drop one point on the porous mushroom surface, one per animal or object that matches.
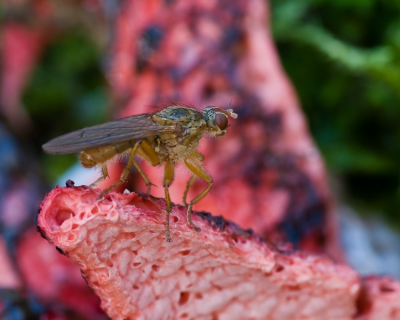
(379, 299)
(224, 272)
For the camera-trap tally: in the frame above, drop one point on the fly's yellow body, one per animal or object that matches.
(168, 136)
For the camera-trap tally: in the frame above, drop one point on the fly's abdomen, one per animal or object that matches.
(94, 157)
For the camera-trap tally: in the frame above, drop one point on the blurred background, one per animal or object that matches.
(343, 58)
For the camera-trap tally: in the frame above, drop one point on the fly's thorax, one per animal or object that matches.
(189, 120)
(178, 115)
(174, 148)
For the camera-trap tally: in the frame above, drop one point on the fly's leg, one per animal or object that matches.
(189, 184)
(194, 201)
(144, 176)
(169, 173)
(104, 172)
(200, 157)
(197, 170)
(87, 160)
(147, 152)
(125, 172)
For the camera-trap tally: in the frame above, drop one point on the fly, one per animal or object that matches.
(168, 136)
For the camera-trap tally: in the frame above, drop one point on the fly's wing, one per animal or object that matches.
(131, 128)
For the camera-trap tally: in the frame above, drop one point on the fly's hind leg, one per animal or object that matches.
(189, 184)
(197, 170)
(87, 161)
(125, 172)
(200, 158)
(104, 173)
(169, 173)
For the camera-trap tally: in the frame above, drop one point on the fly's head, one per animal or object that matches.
(217, 120)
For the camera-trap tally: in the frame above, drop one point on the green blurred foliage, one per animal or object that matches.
(344, 60)
(67, 92)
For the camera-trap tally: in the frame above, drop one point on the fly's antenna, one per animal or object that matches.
(231, 113)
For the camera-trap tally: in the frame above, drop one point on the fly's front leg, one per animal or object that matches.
(169, 173)
(125, 172)
(197, 170)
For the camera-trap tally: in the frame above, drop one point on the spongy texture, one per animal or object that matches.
(222, 273)
(379, 299)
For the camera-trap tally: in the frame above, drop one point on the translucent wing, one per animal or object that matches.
(131, 128)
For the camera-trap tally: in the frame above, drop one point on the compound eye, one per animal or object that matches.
(221, 121)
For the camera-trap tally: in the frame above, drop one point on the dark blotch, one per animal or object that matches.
(363, 303)
(251, 232)
(60, 251)
(279, 268)
(69, 183)
(305, 216)
(217, 221)
(37, 215)
(184, 297)
(84, 277)
(386, 289)
(148, 43)
(306, 212)
(42, 233)
(209, 90)
(152, 37)
(225, 225)
(232, 35)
